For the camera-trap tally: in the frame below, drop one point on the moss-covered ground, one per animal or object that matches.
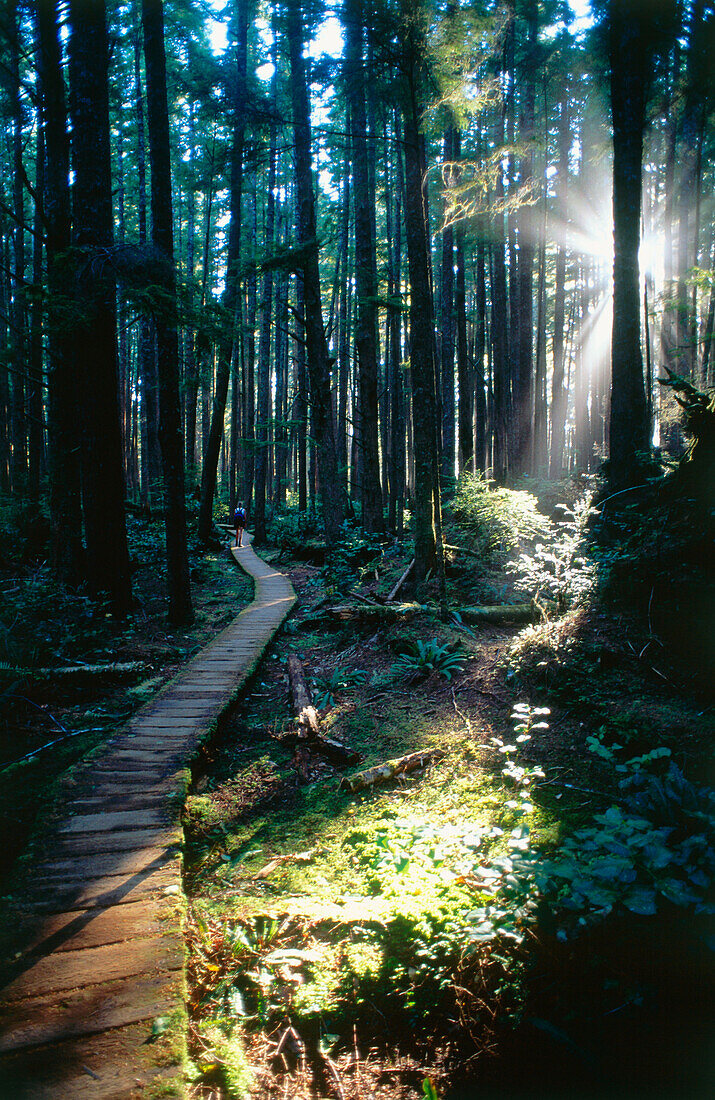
(335, 946)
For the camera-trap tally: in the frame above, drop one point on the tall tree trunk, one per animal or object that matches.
(687, 241)
(96, 319)
(191, 377)
(365, 278)
(424, 423)
(62, 414)
(630, 73)
(4, 372)
(708, 360)
(301, 403)
(396, 502)
(172, 444)
(447, 318)
(523, 378)
(316, 345)
(263, 408)
(249, 412)
(35, 375)
(281, 438)
(480, 400)
(540, 446)
(670, 433)
(512, 365)
(151, 451)
(559, 395)
(226, 342)
(466, 388)
(18, 421)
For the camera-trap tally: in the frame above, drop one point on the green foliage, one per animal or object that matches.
(223, 1064)
(290, 530)
(24, 528)
(325, 688)
(626, 860)
(597, 744)
(499, 520)
(425, 657)
(354, 556)
(560, 569)
(654, 849)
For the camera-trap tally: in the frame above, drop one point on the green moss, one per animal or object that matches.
(223, 1063)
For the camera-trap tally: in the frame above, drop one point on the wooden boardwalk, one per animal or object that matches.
(92, 1003)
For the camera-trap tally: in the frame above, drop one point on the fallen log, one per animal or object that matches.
(383, 773)
(401, 581)
(305, 713)
(311, 550)
(464, 550)
(309, 735)
(373, 612)
(118, 668)
(370, 614)
(531, 612)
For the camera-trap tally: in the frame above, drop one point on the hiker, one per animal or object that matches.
(239, 522)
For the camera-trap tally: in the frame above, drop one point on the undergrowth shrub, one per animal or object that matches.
(326, 687)
(429, 656)
(560, 569)
(653, 848)
(24, 530)
(290, 530)
(499, 520)
(356, 554)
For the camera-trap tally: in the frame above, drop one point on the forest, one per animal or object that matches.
(428, 288)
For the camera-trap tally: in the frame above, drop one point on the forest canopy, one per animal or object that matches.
(332, 256)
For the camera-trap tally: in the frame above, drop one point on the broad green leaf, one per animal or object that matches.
(641, 900)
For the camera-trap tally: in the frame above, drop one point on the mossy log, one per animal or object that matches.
(310, 550)
(305, 713)
(531, 612)
(367, 613)
(401, 581)
(383, 773)
(309, 736)
(117, 670)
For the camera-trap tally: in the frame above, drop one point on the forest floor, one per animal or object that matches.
(400, 940)
(385, 943)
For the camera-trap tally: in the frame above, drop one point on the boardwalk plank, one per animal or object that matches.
(92, 943)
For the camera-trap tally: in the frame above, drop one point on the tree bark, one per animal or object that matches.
(365, 280)
(480, 341)
(422, 364)
(226, 342)
(559, 394)
(95, 336)
(630, 74)
(396, 503)
(146, 349)
(264, 346)
(500, 331)
(64, 468)
(524, 377)
(316, 345)
(447, 320)
(18, 417)
(172, 446)
(35, 378)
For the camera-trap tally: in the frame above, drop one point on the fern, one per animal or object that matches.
(429, 656)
